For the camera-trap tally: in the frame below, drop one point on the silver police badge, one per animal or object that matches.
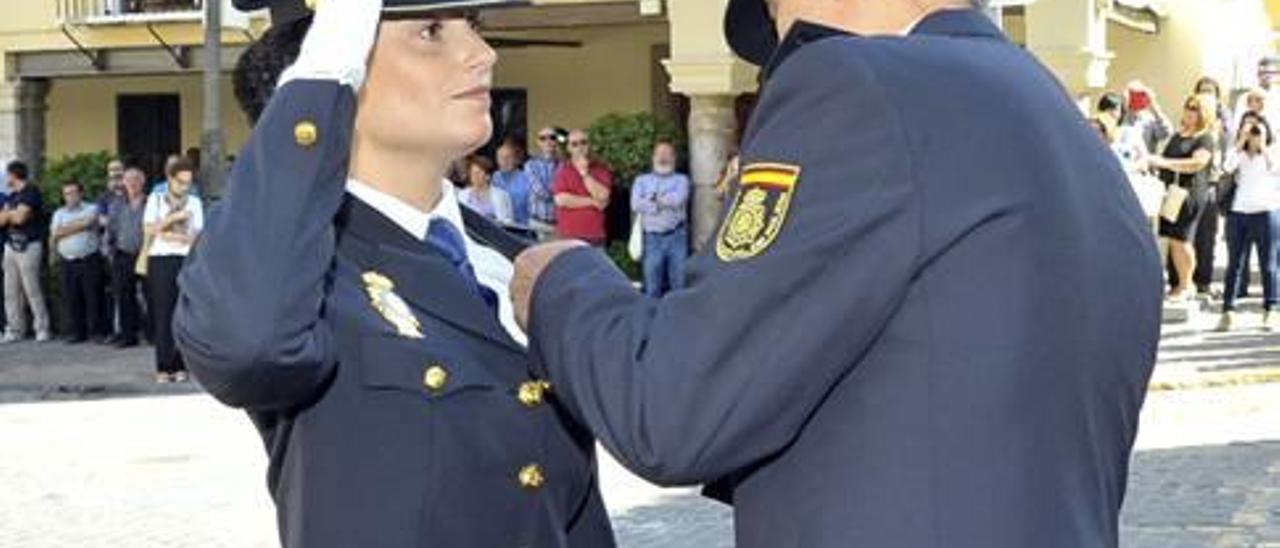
(384, 299)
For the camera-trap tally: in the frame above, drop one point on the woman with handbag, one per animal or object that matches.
(1184, 166)
(172, 220)
(1253, 220)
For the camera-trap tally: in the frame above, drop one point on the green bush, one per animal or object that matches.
(624, 142)
(89, 168)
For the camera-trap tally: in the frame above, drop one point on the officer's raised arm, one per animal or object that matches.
(248, 316)
(814, 257)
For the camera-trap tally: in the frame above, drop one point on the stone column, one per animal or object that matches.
(22, 121)
(703, 69)
(712, 128)
(1070, 37)
(33, 95)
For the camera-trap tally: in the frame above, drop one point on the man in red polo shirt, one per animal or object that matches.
(581, 189)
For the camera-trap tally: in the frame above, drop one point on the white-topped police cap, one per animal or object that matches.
(283, 11)
(750, 30)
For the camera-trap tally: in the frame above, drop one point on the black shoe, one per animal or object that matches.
(76, 340)
(125, 343)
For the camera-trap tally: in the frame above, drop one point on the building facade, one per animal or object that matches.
(125, 75)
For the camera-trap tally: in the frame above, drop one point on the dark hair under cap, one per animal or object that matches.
(260, 66)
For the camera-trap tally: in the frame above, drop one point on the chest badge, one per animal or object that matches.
(764, 197)
(384, 299)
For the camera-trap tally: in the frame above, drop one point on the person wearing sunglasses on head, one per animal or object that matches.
(341, 295)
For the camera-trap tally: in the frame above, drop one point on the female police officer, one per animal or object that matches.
(338, 295)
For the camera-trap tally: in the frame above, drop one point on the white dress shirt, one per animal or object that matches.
(1257, 182)
(493, 270)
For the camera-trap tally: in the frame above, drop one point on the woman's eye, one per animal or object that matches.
(432, 31)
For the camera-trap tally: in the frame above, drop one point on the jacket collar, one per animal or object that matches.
(957, 22)
(424, 278)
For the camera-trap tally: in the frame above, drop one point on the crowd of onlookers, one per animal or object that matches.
(1217, 162)
(564, 191)
(116, 258)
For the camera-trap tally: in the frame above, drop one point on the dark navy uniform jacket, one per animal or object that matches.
(928, 318)
(396, 410)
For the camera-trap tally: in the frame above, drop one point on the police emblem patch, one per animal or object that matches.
(760, 208)
(384, 299)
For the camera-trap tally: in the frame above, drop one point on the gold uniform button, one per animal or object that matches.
(531, 477)
(435, 378)
(305, 133)
(531, 393)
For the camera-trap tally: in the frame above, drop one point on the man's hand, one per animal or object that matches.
(529, 266)
(582, 164)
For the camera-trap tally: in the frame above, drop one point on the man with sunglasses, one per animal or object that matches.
(582, 188)
(541, 170)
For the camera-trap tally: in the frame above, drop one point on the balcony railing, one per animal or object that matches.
(117, 12)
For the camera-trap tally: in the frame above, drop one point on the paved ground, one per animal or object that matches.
(94, 455)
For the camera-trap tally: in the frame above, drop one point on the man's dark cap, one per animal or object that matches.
(283, 11)
(750, 30)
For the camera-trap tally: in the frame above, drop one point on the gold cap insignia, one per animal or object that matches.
(759, 209)
(383, 297)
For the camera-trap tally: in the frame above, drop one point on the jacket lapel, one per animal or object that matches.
(422, 276)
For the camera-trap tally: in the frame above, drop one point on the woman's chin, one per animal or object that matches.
(474, 136)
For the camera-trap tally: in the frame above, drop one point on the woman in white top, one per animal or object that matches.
(171, 221)
(1254, 219)
(481, 195)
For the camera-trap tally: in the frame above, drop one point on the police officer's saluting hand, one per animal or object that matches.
(927, 320)
(342, 297)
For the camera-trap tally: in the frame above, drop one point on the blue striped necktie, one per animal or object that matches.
(446, 239)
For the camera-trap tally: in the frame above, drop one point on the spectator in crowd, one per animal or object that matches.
(1264, 99)
(172, 220)
(75, 239)
(582, 188)
(541, 170)
(661, 199)
(125, 234)
(114, 191)
(1126, 140)
(161, 185)
(1150, 190)
(22, 217)
(4, 243)
(1185, 165)
(514, 181)
(480, 194)
(1254, 217)
(1207, 231)
(1144, 116)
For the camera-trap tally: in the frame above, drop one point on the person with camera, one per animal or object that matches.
(1254, 217)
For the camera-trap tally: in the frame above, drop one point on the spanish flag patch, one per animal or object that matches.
(764, 195)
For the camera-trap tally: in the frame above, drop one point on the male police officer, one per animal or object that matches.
(927, 320)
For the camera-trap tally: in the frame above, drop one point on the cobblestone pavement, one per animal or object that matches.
(94, 455)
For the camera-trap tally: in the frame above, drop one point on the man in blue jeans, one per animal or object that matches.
(661, 199)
